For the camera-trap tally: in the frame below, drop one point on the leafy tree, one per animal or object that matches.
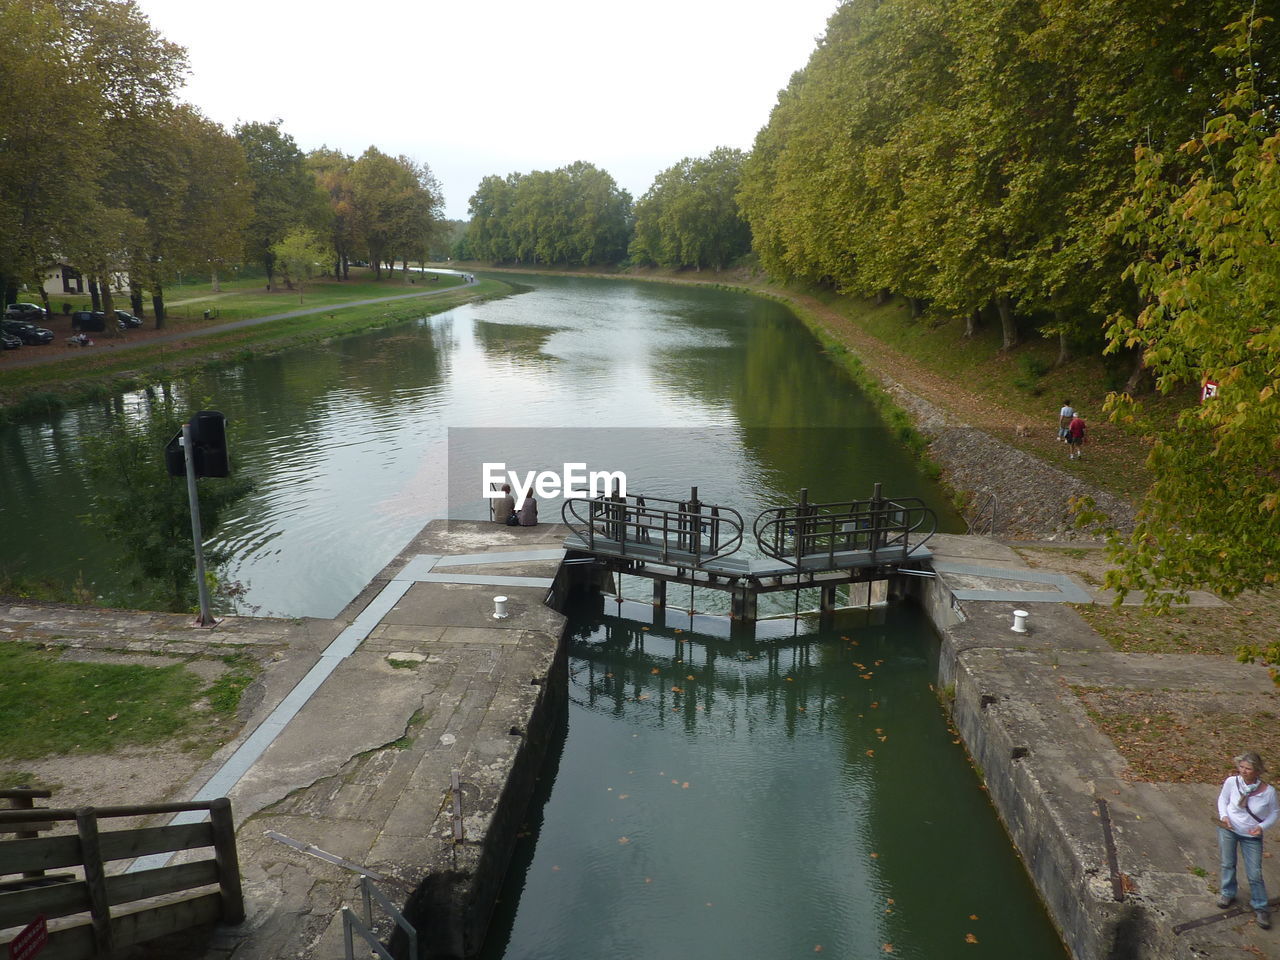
(689, 217)
(332, 170)
(301, 254)
(143, 509)
(284, 191)
(1206, 225)
(396, 204)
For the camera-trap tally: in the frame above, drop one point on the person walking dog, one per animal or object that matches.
(1246, 807)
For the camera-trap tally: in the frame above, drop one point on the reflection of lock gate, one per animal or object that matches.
(804, 545)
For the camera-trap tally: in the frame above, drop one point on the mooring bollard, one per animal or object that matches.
(1020, 621)
(499, 608)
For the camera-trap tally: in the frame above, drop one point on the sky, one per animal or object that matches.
(498, 86)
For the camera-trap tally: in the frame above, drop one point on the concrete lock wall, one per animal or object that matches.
(1070, 876)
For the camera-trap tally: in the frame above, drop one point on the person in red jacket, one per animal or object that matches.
(1075, 437)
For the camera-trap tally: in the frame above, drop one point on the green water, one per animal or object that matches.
(762, 799)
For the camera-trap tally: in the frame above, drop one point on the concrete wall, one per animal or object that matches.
(1053, 824)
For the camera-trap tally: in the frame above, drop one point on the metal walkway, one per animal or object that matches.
(804, 545)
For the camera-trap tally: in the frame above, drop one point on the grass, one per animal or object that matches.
(54, 707)
(79, 377)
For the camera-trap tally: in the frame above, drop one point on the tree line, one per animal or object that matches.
(104, 169)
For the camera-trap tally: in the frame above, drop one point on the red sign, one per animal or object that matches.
(1209, 389)
(30, 941)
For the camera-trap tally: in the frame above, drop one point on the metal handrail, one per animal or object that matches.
(883, 528)
(352, 924)
(706, 531)
(981, 524)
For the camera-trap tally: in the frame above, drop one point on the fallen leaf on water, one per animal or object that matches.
(623, 796)
(865, 676)
(677, 690)
(555, 869)
(689, 677)
(888, 948)
(791, 680)
(871, 753)
(817, 948)
(648, 879)
(973, 916)
(655, 670)
(875, 856)
(644, 629)
(623, 840)
(883, 739)
(678, 630)
(889, 900)
(970, 938)
(685, 785)
(875, 705)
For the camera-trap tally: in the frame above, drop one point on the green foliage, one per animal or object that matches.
(690, 218)
(575, 215)
(301, 255)
(1206, 224)
(143, 509)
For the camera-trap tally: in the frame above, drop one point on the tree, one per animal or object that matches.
(689, 217)
(301, 254)
(1205, 222)
(144, 510)
(332, 170)
(284, 191)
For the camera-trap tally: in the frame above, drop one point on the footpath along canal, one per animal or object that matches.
(800, 827)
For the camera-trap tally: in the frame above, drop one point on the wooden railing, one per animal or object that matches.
(105, 912)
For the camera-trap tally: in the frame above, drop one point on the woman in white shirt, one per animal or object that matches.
(1246, 807)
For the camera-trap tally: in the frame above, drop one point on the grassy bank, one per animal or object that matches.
(80, 376)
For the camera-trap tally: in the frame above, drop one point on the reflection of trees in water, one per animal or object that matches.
(627, 668)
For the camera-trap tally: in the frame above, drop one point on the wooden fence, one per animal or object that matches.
(109, 912)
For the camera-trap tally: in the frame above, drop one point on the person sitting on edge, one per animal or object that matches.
(529, 512)
(1075, 437)
(1064, 419)
(504, 506)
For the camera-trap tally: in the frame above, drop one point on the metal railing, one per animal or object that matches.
(671, 531)
(809, 533)
(981, 522)
(351, 924)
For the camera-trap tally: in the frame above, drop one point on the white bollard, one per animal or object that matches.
(1020, 621)
(499, 608)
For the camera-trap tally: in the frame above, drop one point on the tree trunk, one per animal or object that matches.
(157, 303)
(1008, 325)
(346, 267)
(882, 297)
(217, 285)
(1064, 346)
(972, 322)
(1137, 376)
(109, 310)
(94, 295)
(135, 297)
(917, 307)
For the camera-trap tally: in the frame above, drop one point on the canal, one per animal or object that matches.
(710, 797)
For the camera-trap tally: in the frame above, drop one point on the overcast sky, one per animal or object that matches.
(496, 86)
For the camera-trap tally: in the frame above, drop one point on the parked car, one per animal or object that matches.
(25, 311)
(9, 342)
(93, 321)
(27, 332)
(127, 320)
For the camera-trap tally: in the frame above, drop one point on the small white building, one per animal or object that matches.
(62, 279)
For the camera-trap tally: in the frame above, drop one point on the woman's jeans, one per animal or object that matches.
(1251, 850)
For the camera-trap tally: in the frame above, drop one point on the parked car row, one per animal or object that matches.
(26, 332)
(96, 320)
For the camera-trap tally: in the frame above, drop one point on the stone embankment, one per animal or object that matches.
(1033, 499)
